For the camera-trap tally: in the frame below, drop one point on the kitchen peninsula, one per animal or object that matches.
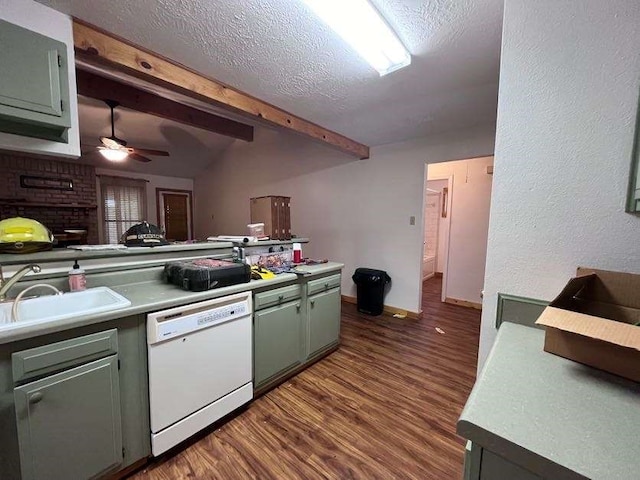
(296, 321)
(533, 415)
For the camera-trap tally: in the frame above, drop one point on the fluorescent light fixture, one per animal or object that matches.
(362, 27)
(114, 154)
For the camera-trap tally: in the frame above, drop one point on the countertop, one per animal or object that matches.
(69, 255)
(150, 296)
(555, 417)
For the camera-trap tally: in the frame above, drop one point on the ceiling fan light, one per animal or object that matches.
(114, 155)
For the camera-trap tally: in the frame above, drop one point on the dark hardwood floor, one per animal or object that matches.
(383, 406)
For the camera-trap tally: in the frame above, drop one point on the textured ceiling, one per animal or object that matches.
(277, 50)
(191, 149)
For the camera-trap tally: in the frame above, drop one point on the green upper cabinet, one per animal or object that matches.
(34, 84)
(38, 93)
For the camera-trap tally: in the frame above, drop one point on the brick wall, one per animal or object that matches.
(14, 199)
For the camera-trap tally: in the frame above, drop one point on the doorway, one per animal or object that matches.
(175, 213)
(437, 222)
(457, 199)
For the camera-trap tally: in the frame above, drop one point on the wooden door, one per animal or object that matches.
(176, 216)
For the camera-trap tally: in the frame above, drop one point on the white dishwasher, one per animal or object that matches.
(200, 366)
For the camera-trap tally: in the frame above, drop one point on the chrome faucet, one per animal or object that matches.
(5, 285)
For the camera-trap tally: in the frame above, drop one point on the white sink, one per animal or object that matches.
(49, 308)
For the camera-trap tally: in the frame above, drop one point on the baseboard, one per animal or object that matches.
(463, 303)
(432, 275)
(129, 470)
(388, 309)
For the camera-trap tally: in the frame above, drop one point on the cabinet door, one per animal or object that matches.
(494, 467)
(324, 320)
(69, 424)
(278, 341)
(33, 83)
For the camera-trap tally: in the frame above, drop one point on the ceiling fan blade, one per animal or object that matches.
(140, 158)
(148, 151)
(115, 143)
(112, 143)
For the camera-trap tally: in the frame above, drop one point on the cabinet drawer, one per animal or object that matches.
(62, 355)
(276, 296)
(323, 284)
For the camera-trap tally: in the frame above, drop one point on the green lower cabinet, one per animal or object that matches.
(482, 464)
(74, 404)
(69, 424)
(324, 320)
(278, 341)
(301, 324)
(472, 461)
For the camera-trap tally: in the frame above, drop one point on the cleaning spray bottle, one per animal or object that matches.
(77, 278)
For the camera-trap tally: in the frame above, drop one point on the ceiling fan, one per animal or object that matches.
(115, 149)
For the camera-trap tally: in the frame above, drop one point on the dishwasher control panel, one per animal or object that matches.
(171, 323)
(222, 313)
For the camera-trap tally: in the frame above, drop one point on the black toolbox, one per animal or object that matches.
(205, 273)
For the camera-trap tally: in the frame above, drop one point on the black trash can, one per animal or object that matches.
(370, 285)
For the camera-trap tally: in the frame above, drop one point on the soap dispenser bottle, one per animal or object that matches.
(77, 278)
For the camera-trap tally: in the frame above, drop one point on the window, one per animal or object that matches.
(123, 205)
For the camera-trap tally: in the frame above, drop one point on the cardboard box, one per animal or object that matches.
(594, 321)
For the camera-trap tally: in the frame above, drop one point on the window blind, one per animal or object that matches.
(123, 205)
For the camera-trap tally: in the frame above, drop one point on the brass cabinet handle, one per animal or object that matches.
(36, 397)
(312, 302)
(280, 298)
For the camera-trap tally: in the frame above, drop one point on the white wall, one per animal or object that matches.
(51, 23)
(567, 107)
(354, 211)
(154, 181)
(470, 201)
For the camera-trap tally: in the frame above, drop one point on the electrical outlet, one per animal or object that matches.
(412, 220)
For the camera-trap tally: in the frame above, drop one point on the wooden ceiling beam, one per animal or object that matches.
(95, 86)
(100, 47)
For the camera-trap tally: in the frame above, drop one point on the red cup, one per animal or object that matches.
(297, 256)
